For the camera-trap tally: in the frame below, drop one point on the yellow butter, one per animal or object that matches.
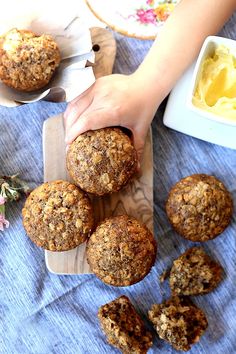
(216, 88)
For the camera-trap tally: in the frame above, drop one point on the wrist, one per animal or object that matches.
(151, 84)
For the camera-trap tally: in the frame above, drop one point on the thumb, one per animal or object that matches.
(139, 141)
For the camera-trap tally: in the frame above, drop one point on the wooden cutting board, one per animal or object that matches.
(104, 46)
(136, 199)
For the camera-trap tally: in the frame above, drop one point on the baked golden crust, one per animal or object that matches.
(194, 273)
(179, 322)
(102, 161)
(58, 216)
(199, 207)
(27, 61)
(123, 327)
(121, 251)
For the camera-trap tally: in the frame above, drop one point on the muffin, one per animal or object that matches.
(194, 273)
(121, 251)
(27, 61)
(102, 161)
(179, 322)
(123, 327)
(199, 207)
(58, 216)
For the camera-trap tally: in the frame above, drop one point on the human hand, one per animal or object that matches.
(114, 100)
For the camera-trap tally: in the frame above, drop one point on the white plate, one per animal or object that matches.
(179, 117)
(134, 18)
(135, 200)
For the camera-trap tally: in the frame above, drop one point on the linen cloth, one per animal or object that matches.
(42, 313)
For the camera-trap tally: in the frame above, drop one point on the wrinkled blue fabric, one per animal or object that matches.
(44, 313)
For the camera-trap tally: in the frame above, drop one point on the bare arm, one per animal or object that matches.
(180, 41)
(132, 100)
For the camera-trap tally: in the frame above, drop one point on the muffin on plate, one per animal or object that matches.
(102, 161)
(199, 207)
(58, 216)
(123, 327)
(179, 322)
(121, 251)
(27, 61)
(194, 273)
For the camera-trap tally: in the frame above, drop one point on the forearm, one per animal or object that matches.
(179, 43)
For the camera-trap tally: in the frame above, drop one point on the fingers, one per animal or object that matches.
(92, 119)
(99, 118)
(77, 107)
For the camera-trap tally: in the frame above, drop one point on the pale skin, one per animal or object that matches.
(131, 100)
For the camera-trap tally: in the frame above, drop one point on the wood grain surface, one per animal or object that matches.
(104, 46)
(136, 199)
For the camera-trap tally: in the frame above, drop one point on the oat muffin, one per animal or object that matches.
(102, 161)
(194, 273)
(121, 251)
(179, 322)
(27, 61)
(58, 216)
(123, 327)
(199, 207)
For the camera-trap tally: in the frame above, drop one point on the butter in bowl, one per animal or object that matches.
(213, 87)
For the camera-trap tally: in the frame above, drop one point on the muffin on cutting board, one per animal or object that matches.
(27, 61)
(58, 216)
(102, 161)
(121, 251)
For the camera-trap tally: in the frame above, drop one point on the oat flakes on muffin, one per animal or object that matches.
(179, 322)
(123, 327)
(102, 161)
(199, 207)
(121, 251)
(27, 61)
(194, 273)
(58, 216)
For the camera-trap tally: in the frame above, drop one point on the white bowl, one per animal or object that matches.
(208, 48)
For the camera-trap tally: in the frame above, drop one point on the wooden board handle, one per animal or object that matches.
(104, 46)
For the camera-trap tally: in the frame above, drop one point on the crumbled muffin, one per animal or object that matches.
(102, 161)
(58, 216)
(27, 61)
(179, 322)
(199, 207)
(121, 251)
(194, 273)
(123, 327)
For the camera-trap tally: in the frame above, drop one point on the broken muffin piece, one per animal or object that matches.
(179, 322)
(194, 273)
(123, 327)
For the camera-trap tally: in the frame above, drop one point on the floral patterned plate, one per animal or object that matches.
(134, 18)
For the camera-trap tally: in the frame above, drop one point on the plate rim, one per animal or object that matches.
(117, 29)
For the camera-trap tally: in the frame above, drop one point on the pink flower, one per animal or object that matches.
(2, 200)
(3, 222)
(150, 2)
(146, 16)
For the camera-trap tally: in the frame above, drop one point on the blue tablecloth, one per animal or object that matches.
(44, 313)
